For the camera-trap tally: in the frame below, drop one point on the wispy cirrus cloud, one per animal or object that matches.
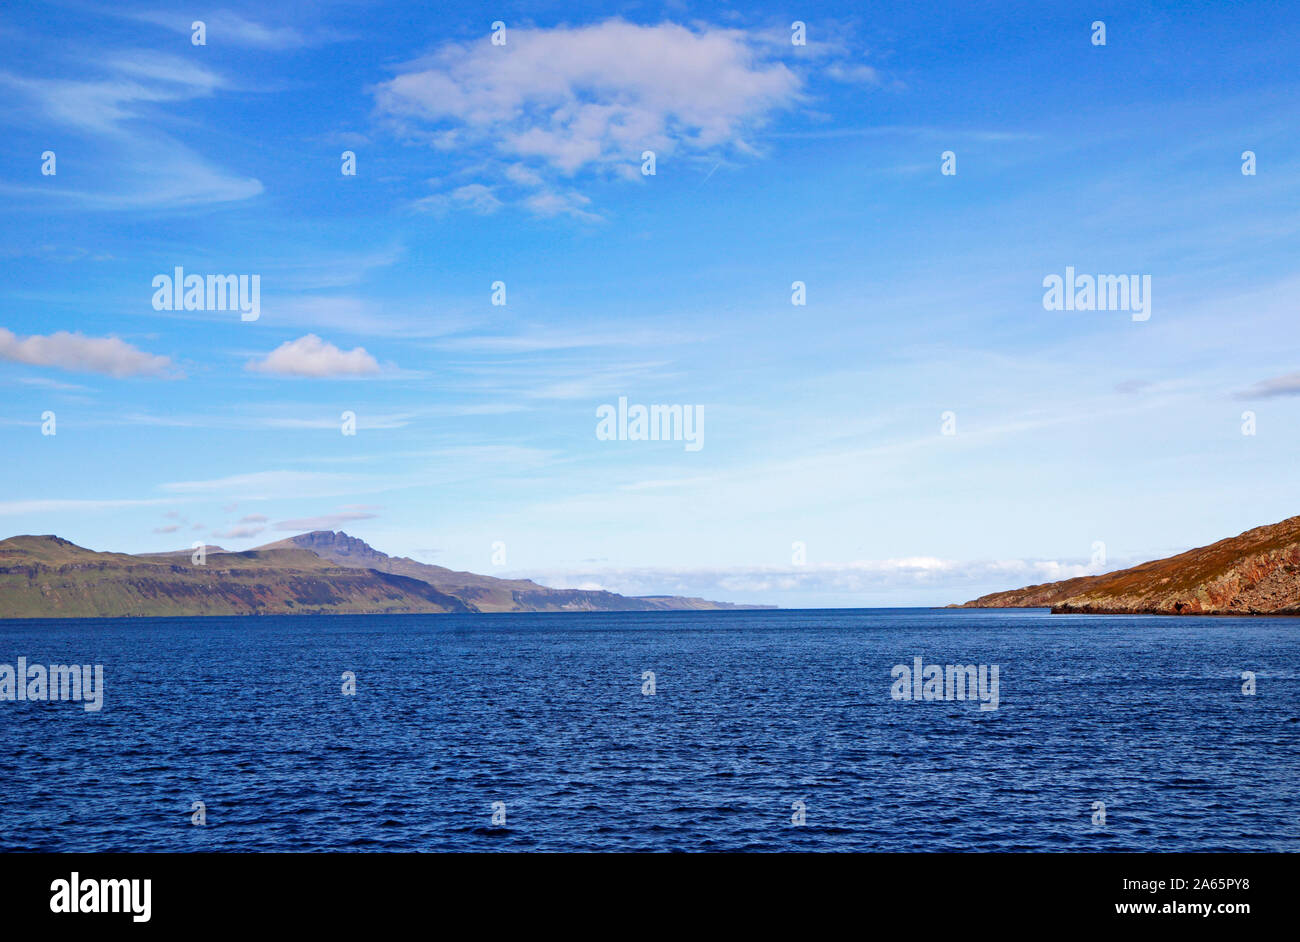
(272, 485)
(227, 26)
(238, 532)
(325, 521)
(1286, 385)
(46, 383)
(542, 340)
(853, 72)
(474, 196)
(315, 271)
(357, 314)
(561, 203)
(128, 84)
(76, 505)
(78, 353)
(120, 107)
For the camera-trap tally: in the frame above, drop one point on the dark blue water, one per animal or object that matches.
(752, 712)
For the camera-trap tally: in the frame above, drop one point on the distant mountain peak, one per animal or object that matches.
(40, 538)
(330, 542)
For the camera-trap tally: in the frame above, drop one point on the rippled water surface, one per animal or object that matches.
(752, 712)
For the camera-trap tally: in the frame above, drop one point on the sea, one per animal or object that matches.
(676, 731)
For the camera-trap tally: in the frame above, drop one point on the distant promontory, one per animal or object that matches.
(1255, 573)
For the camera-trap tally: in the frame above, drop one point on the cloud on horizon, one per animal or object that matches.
(861, 577)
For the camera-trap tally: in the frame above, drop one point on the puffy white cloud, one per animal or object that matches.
(311, 356)
(77, 352)
(572, 98)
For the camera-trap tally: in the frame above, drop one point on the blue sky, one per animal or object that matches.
(775, 163)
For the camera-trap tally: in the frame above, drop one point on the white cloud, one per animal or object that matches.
(80, 353)
(574, 98)
(311, 356)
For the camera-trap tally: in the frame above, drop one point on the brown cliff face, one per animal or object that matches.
(1256, 573)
